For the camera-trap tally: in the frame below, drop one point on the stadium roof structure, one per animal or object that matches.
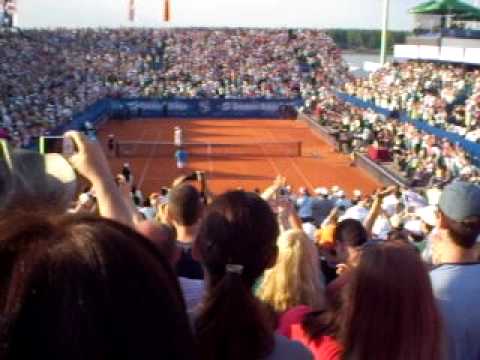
(420, 7)
(473, 16)
(445, 7)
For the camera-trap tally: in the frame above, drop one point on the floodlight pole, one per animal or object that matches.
(383, 50)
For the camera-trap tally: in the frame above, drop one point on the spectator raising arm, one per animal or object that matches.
(124, 187)
(272, 189)
(90, 162)
(375, 208)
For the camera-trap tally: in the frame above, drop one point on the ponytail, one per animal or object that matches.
(236, 242)
(232, 324)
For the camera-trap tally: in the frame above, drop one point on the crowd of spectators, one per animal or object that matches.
(444, 95)
(424, 160)
(46, 77)
(110, 273)
(251, 62)
(280, 274)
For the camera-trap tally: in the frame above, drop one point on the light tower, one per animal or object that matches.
(383, 50)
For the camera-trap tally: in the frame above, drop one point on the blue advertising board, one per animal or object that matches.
(206, 108)
(177, 107)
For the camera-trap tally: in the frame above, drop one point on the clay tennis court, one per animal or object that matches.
(318, 164)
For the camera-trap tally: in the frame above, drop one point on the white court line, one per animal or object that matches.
(146, 167)
(295, 166)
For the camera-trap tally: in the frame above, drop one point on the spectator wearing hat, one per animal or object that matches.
(356, 196)
(342, 202)
(304, 205)
(455, 278)
(321, 205)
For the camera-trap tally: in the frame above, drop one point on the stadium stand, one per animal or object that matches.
(278, 274)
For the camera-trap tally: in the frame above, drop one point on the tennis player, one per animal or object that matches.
(181, 156)
(111, 143)
(178, 136)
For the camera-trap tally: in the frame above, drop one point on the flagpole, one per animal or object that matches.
(383, 50)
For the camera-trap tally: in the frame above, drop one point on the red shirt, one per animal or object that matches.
(323, 348)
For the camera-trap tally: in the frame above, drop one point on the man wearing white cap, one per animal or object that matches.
(321, 206)
(357, 196)
(333, 191)
(304, 205)
(342, 201)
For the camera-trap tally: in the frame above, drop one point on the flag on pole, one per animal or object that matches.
(131, 10)
(166, 10)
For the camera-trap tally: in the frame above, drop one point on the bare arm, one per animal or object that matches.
(91, 163)
(375, 209)
(272, 189)
(124, 187)
(331, 218)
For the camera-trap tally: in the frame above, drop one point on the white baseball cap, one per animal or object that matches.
(321, 191)
(357, 193)
(428, 214)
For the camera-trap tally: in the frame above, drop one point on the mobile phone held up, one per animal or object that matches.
(56, 144)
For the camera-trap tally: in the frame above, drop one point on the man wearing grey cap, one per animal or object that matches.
(456, 277)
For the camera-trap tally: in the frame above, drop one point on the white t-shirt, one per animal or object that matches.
(178, 137)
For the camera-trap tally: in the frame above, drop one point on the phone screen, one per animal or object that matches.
(56, 144)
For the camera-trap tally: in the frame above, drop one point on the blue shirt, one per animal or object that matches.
(181, 155)
(304, 205)
(457, 290)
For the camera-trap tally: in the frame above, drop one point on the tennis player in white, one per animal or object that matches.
(178, 136)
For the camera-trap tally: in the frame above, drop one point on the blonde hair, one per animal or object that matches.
(295, 279)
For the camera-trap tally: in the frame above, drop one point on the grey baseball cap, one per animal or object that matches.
(460, 200)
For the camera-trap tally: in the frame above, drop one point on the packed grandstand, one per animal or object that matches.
(275, 273)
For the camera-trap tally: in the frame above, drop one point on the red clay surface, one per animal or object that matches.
(319, 165)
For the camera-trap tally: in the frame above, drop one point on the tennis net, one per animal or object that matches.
(249, 149)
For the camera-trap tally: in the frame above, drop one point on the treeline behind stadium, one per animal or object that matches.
(355, 39)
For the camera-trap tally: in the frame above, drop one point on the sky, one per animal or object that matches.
(357, 14)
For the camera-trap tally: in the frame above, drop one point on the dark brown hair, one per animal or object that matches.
(239, 228)
(463, 233)
(184, 204)
(87, 288)
(387, 310)
(351, 233)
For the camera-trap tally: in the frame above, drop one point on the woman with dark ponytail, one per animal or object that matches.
(236, 242)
